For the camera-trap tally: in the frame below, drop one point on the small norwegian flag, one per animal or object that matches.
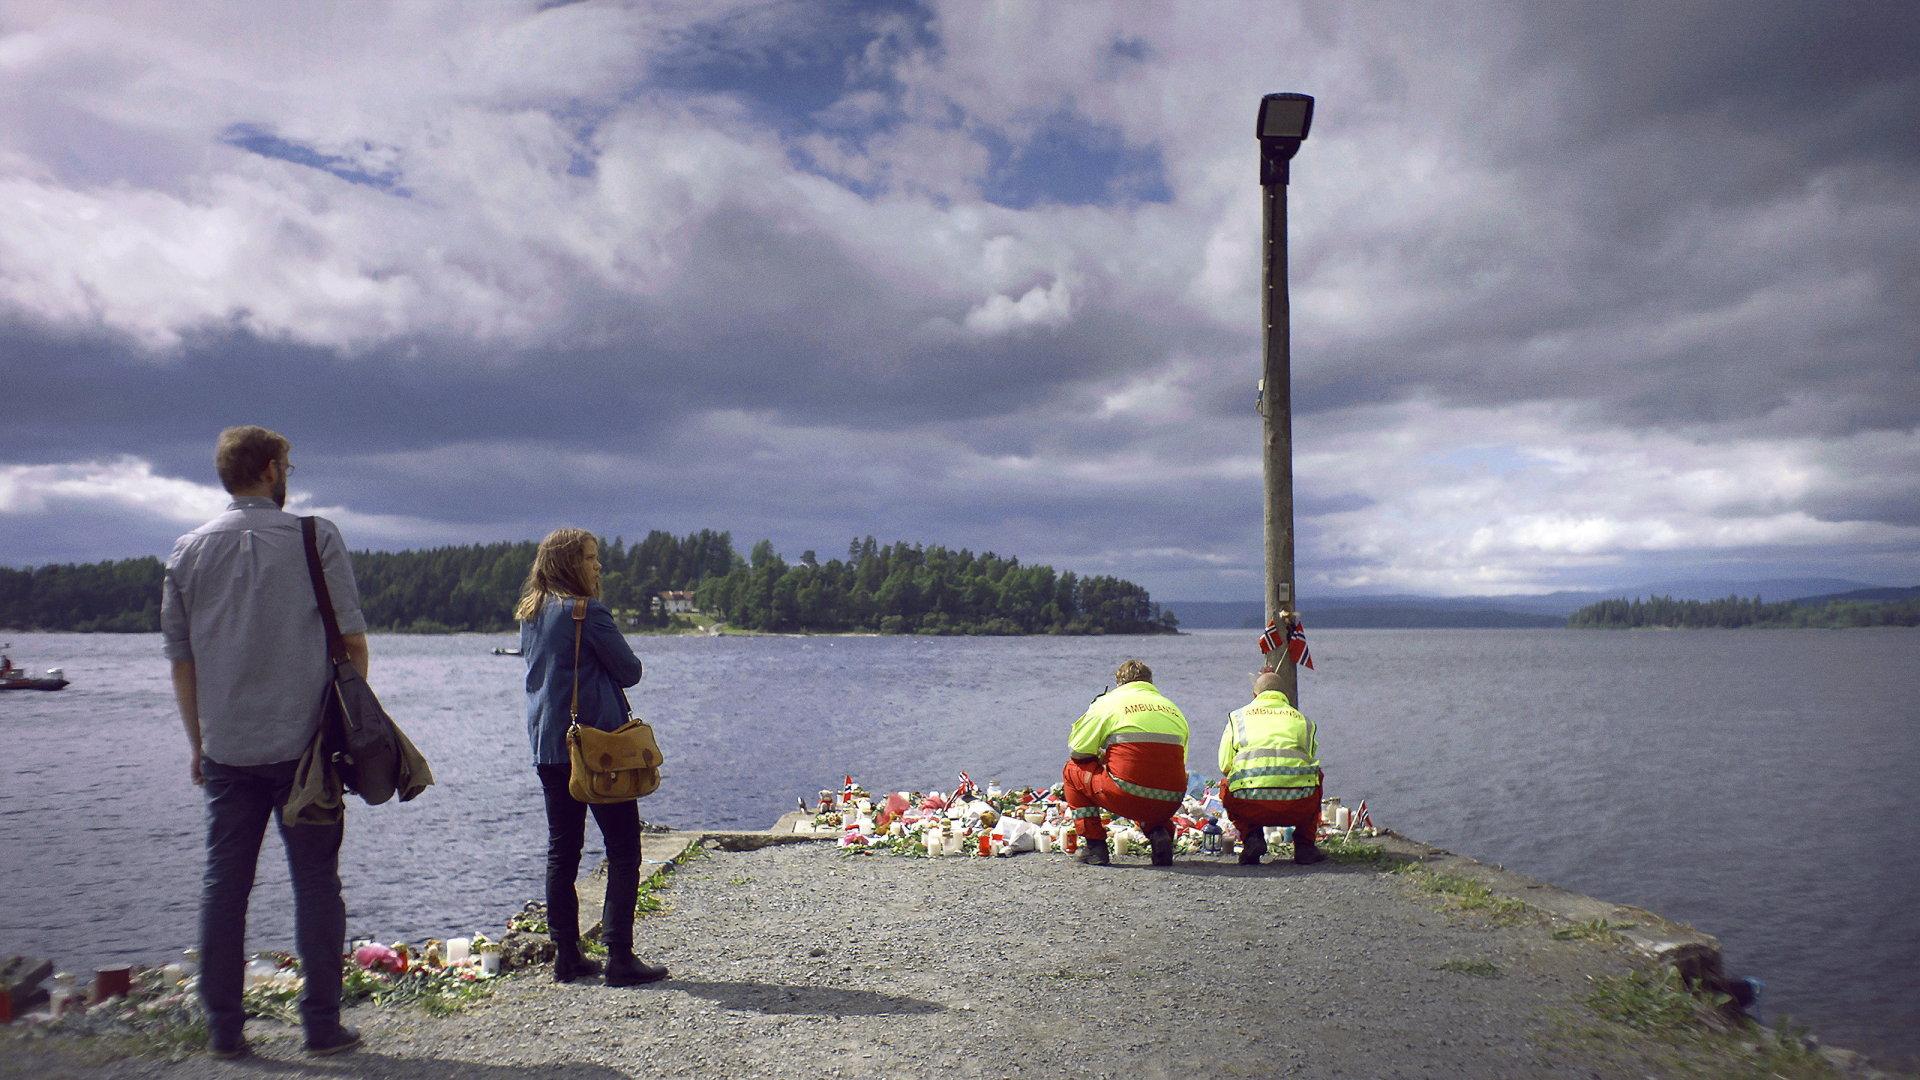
(966, 787)
(1362, 819)
(1270, 638)
(1297, 650)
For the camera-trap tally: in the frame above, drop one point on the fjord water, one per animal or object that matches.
(1757, 784)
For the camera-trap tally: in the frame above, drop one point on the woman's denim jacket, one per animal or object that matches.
(607, 663)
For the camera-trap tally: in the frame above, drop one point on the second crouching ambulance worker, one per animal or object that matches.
(566, 567)
(1127, 754)
(1270, 759)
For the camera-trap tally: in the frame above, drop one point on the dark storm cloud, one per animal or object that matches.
(1824, 83)
(1688, 214)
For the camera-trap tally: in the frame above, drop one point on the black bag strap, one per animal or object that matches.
(336, 645)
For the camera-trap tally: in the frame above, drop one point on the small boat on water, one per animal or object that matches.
(16, 678)
(511, 650)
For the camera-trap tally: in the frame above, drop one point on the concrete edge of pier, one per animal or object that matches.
(1694, 953)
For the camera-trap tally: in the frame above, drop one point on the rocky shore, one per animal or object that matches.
(793, 959)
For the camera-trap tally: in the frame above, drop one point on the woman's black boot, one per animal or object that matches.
(570, 964)
(626, 969)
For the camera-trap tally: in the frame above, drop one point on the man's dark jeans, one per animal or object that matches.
(240, 798)
(566, 832)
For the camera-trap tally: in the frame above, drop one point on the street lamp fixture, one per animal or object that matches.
(1281, 127)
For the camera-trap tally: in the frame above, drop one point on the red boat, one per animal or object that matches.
(14, 678)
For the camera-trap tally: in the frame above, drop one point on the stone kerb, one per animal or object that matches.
(1695, 954)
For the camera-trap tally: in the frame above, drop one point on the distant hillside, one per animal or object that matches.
(1734, 612)
(1365, 613)
(1530, 610)
(1888, 595)
(1771, 590)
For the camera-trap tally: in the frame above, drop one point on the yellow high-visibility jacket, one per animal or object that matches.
(1268, 745)
(1133, 712)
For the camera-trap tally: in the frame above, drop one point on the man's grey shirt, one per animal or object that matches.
(238, 602)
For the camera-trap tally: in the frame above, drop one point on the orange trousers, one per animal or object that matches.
(1093, 787)
(1250, 814)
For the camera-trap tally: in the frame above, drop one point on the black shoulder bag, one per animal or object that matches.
(357, 733)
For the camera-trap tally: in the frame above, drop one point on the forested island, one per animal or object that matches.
(893, 589)
(1900, 607)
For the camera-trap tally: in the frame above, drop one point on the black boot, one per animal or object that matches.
(570, 964)
(1160, 843)
(626, 969)
(1306, 852)
(1252, 846)
(1094, 853)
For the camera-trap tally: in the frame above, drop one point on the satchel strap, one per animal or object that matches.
(573, 709)
(336, 645)
(579, 619)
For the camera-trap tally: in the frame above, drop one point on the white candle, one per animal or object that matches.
(1043, 842)
(956, 843)
(1119, 843)
(1342, 819)
(458, 950)
(935, 840)
(66, 993)
(490, 961)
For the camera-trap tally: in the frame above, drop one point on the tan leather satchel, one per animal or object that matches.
(608, 766)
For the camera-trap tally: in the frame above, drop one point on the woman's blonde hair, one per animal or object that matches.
(559, 569)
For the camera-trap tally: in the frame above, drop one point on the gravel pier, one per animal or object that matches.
(796, 961)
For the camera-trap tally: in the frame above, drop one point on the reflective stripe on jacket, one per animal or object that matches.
(1269, 744)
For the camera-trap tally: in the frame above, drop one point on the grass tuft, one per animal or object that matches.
(1464, 894)
(1645, 999)
(1355, 852)
(1658, 1001)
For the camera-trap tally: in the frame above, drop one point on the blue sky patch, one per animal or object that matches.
(792, 80)
(1073, 162)
(1498, 460)
(265, 143)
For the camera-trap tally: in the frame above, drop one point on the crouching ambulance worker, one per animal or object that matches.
(1270, 757)
(1128, 754)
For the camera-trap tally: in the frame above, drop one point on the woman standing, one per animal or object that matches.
(565, 568)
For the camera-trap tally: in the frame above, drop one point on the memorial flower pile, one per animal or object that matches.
(995, 821)
(164, 1002)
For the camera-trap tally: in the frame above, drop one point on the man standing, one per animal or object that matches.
(250, 666)
(1127, 754)
(1270, 762)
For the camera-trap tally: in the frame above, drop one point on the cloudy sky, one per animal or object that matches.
(1584, 295)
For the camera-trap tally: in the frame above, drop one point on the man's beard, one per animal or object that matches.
(280, 493)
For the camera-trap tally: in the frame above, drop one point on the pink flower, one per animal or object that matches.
(379, 958)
